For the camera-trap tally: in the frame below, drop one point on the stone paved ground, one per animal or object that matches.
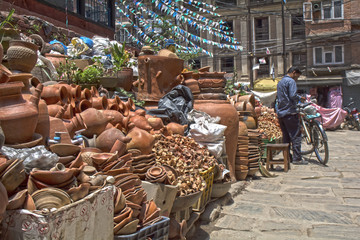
(292, 207)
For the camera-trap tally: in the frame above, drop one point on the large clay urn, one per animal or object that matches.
(157, 76)
(22, 55)
(209, 81)
(141, 140)
(107, 139)
(91, 119)
(18, 116)
(229, 118)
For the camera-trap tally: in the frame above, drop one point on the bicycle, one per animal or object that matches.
(313, 136)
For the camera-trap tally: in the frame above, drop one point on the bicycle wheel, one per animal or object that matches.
(307, 147)
(320, 143)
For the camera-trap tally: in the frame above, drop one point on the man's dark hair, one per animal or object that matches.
(292, 69)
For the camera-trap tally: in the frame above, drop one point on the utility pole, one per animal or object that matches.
(283, 36)
(250, 52)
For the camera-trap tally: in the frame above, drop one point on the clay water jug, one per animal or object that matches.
(141, 140)
(141, 122)
(18, 116)
(107, 139)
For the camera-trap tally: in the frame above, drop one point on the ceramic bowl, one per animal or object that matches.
(129, 228)
(52, 177)
(65, 149)
(37, 138)
(135, 207)
(119, 203)
(17, 200)
(50, 198)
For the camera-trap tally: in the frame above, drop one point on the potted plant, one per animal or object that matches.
(89, 76)
(121, 73)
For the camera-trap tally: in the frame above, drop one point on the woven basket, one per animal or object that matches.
(22, 56)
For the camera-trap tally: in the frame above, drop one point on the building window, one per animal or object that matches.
(225, 3)
(227, 64)
(229, 25)
(299, 59)
(298, 26)
(332, 9)
(264, 67)
(261, 28)
(328, 55)
(71, 5)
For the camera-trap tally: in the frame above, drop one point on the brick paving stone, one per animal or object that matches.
(308, 190)
(264, 186)
(347, 192)
(236, 223)
(315, 199)
(245, 209)
(335, 232)
(352, 201)
(225, 234)
(311, 215)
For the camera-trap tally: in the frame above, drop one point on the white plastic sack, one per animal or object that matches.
(199, 116)
(267, 98)
(36, 157)
(100, 44)
(215, 148)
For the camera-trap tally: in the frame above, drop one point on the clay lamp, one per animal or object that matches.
(134, 152)
(65, 149)
(17, 200)
(152, 216)
(118, 171)
(77, 193)
(50, 198)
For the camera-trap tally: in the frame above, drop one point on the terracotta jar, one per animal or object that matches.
(91, 119)
(209, 80)
(16, 112)
(100, 103)
(65, 111)
(229, 118)
(82, 105)
(53, 95)
(157, 76)
(107, 139)
(73, 91)
(250, 122)
(141, 140)
(86, 94)
(22, 55)
(190, 82)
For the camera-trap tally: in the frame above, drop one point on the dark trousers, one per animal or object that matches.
(290, 127)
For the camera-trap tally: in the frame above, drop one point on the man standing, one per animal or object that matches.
(287, 98)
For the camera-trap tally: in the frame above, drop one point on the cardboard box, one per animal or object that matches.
(88, 219)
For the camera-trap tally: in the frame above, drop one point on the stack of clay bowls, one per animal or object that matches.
(50, 198)
(58, 177)
(12, 174)
(242, 153)
(66, 152)
(157, 174)
(21, 200)
(149, 214)
(142, 163)
(254, 151)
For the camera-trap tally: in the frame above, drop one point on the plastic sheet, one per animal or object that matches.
(331, 117)
(36, 157)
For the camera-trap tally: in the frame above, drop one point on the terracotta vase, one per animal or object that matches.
(157, 76)
(100, 103)
(82, 105)
(22, 56)
(141, 140)
(16, 112)
(53, 95)
(190, 82)
(73, 91)
(91, 119)
(229, 118)
(86, 94)
(107, 139)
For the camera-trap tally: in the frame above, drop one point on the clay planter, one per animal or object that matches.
(22, 56)
(50, 198)
(56, 59)
(229, 118)
(106, 140)
(157, 76)
(53, 95)
(15, 113)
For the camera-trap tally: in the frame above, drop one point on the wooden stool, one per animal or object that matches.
(269, 157)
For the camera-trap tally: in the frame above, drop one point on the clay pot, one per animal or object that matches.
(77, 193)
(86, 154)
(22, 56)
(64, 149)
(250, 122)
(229, 118)
(99, 159)
(100, 103)
(73, 91)
(248, 98)
(209, 80)
(53, 95)
(141, 122)
(50, 198)
(13, 175)
(82, 105)
(156, 123)
(86, 94)
(240, 106)
(250, 108)
(91, 119)
(157, 76)
(106, 140)
(53, 177)
(127, 107)
(204, 69)
(119, 201)
(191, 83)
(176, 128)
(58, 111)
(16, 112)
(17, 200)
(242, 129)
(140, 139)
(116, 116)
(119, 147)
(56, 59)
(4, 74)
(43, 124)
